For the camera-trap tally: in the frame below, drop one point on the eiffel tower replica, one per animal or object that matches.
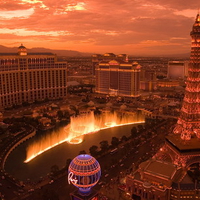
(170, 174)
(183, 145)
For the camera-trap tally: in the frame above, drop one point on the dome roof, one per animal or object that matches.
(84, 172)
(21, 47)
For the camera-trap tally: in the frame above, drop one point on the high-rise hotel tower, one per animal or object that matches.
(26, 77)
(118, 77)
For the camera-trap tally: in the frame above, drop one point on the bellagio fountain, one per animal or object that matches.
(79, 126)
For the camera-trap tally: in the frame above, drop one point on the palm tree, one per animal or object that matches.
(93, 150)
(124, 138)
(104, 145)
(115, 141)
(82, 152)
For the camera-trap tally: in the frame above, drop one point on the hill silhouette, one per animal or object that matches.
(71, 53)
(4, 49)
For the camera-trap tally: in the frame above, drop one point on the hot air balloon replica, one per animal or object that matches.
(84, 172)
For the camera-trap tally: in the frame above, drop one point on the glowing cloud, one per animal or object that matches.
(157, 43)
(69, 8)
(98, 26)
(154, 6)
(24, 32)
(77, 6)
(16, 13)
(178, 38)
(38, 2)
(105, 32)
(186, 13)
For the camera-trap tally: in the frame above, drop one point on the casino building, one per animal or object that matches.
(118, 77)
(26, 77)
(174, 171)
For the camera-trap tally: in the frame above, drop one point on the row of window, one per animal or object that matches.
(25, 83)
(25, 66)
(29, 60)
(35, 95)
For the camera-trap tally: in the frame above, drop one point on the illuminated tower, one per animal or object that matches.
(188, 124)
(169, 174)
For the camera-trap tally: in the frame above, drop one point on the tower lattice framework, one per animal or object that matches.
(188, 124)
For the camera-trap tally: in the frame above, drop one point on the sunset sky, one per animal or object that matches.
(135, 27)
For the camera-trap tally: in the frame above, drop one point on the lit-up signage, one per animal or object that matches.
(71, 179)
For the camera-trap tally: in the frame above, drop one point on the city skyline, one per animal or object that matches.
(133, 27)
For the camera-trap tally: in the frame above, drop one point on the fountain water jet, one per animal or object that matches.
(78, 127)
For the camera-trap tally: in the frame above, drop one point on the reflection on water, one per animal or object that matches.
(41, 165)
(79, 127)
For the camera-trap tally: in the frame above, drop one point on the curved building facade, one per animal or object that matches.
(27, 77)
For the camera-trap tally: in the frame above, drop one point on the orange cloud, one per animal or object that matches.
(16, 13)
(98, 26)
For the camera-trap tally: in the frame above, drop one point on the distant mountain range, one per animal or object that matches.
(70, 53)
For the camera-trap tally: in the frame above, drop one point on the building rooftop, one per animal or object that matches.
(158, 168)
(117, 62)
(190, 146)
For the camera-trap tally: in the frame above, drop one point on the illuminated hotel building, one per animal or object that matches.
(26, 77)
(117, 77)
(174, 171)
